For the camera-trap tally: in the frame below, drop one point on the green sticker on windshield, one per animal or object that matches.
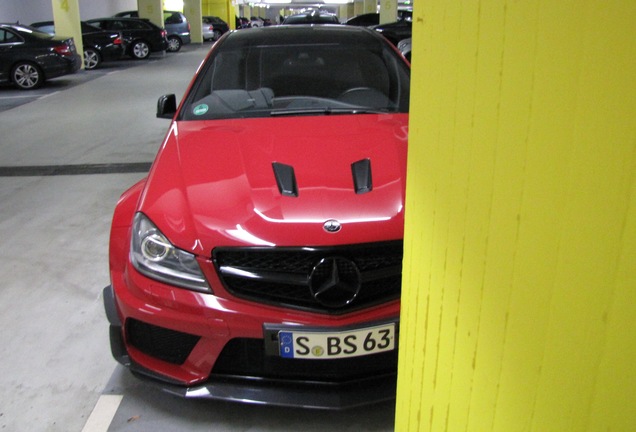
(200, 109)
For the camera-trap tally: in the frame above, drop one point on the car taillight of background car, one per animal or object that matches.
(63, 50)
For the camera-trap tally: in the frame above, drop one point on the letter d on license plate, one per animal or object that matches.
(320, 345)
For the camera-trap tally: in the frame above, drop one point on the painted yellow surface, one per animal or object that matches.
(66, 16)
(152, 10)
(193, 10)
(223, 9)
(519, 304)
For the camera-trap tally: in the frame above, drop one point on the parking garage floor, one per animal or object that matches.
(67, 151)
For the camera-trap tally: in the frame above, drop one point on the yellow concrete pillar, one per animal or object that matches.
(223, 9)
(370, 6)
(519, 285)
(152, 10)
(358, 7)
(66, 16)
(343, 12)
(388, 11)
(192, 11)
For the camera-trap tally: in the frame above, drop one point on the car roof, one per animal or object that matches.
(119, 19)
(22, 28)
(303, 34)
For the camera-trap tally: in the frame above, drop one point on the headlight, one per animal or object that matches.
(153, 255)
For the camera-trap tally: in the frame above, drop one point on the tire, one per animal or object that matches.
(217, 35)
(140, 50)
(27, 76)
(92, 59)
(174, 44)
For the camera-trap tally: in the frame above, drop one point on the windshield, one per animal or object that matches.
(302, 79)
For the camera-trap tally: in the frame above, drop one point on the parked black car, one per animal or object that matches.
(371, 19)
(405, 47)
(395, 31)
(29, 57)
(364, 20)
(220, 27)
(243, 23)
(98, 45)
(141, 36)
(176, 24)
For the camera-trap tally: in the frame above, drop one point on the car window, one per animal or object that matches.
(323, 78)
(172, 18)
(119, 25)
(48, 28)
(99, 24)
(7, 36)
(137, 25)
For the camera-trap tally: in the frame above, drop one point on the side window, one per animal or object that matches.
(8, 37)
(174, 18)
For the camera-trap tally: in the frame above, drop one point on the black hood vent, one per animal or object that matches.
(361, 171)
(285, 179)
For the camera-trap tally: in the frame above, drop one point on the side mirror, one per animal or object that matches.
(167, 106)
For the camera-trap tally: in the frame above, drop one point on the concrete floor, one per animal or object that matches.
(57, 373)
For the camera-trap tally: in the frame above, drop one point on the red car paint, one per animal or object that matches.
(212, 186)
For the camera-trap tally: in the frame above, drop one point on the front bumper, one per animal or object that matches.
(250, 388)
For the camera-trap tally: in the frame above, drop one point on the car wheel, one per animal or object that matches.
(217, 34)
(27, 76)
(140, 50)
(91, 59)
(174, 44)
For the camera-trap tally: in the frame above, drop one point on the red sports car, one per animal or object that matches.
(260, 260)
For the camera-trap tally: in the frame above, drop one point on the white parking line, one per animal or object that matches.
(48, 95)
(32, 96)
(103, 413)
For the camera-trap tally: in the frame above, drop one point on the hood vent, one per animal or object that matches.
(285, 179)
(287, 186)
(361, 171)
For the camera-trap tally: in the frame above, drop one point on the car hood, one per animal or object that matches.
(214, 183)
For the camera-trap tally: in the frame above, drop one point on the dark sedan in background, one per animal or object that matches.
(98, 45)
(176, 25)
(141, 36)
(395, 31)
(29, 57)
(219, 27)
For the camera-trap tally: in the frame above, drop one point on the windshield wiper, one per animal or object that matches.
(327, 111)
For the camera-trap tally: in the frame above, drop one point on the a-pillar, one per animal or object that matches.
(519, 282)
(66, 16)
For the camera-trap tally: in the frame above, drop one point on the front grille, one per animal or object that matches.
(283, 275)
(165, 344)
(246, 357)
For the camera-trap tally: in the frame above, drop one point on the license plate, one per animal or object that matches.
(321, 345)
